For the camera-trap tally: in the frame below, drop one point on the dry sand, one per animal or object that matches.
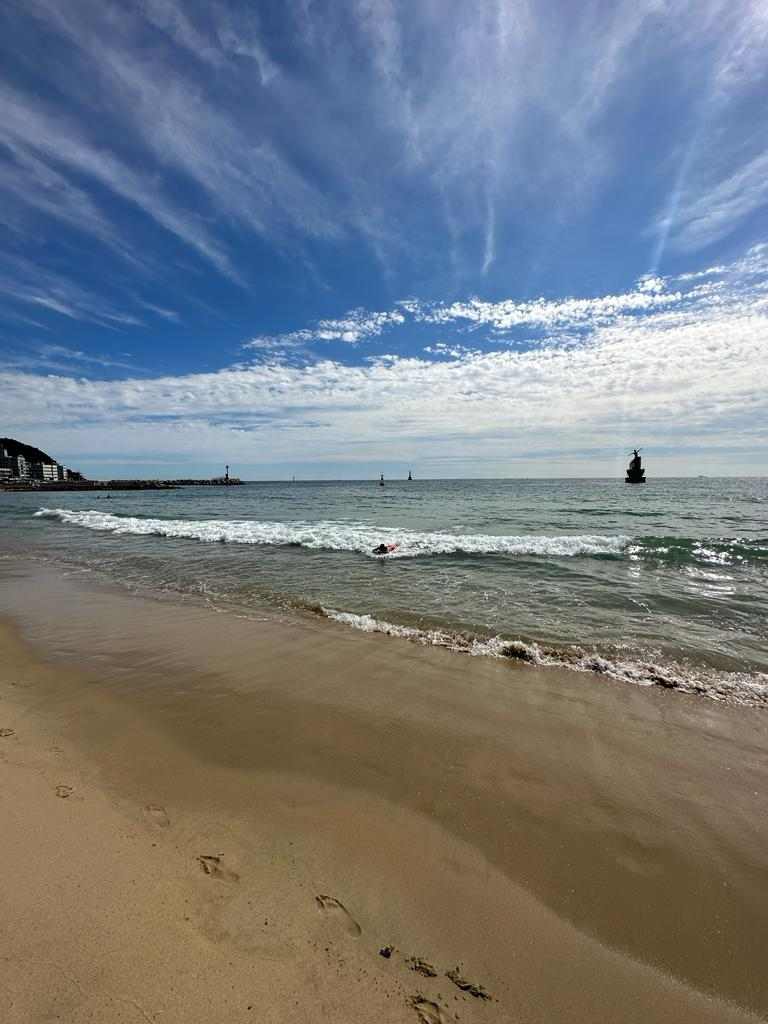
(206, 818)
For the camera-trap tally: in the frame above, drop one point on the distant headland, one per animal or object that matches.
(23, 467)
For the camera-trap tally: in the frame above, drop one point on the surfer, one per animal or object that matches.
(384, 549)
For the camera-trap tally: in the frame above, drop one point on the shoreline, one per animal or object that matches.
(738, 688)
(571, 844)
(719, 681)
(685, 627)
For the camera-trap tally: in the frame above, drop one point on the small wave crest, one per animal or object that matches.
(341, 536)
(742, 688)
(691, 550)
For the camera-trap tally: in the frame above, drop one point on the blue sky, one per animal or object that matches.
(332, 239)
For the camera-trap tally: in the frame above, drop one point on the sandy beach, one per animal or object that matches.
(209, 817)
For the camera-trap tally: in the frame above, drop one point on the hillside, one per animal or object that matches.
(30, 453)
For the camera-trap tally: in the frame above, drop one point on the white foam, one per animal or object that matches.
(343, 536)
(728, 687)
(428, 637)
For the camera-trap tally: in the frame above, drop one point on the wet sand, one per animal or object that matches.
(208, 817)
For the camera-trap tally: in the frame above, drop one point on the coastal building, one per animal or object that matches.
(24, 464)
(45, 471)
(7, 465)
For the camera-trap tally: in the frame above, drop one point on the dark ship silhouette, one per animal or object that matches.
(635, 471)
(409, 475)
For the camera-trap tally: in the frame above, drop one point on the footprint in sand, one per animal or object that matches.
(461, 982)
(64, 791)
(421, 966)
(7, 732)
(335, 908)
(157, 815)
(427, 1011)
(211, 864)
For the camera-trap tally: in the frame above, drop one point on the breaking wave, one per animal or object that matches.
(341, 536)
(743, 688)
(363, 538)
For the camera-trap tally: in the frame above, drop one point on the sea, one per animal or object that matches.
(664, 584)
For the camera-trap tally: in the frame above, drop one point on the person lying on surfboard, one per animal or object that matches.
(384, 549)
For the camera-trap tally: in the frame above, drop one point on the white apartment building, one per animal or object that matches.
(6, 465)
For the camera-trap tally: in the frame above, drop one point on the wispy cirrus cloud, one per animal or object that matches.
(706, 214)
(29, 129)
(61, 358)
(166, 314)
(27, 182)
(164, 111)
(201, 92)
(23, 282)
(718, 182)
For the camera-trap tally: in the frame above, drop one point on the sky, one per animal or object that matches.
(333, 239)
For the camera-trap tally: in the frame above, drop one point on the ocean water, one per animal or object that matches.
(663, 584)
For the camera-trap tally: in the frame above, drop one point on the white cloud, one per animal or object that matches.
(440, 348)
(690, 374)
(754, 263)
(509, 313)
(355, 326)
(697, 275)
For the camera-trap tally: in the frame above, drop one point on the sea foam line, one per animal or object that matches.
(340, 536)
(745, 689)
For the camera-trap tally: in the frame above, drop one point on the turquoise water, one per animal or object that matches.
(664, 583)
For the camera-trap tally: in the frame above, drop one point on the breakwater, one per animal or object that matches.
(115, 485)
